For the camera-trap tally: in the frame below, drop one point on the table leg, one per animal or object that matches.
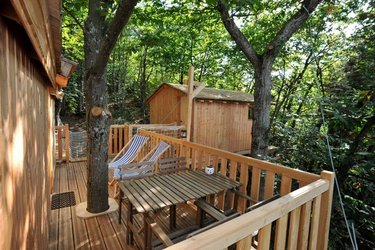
(147, 232)
(172, 217)
(200, 217)
(119, 204)
(129, 220)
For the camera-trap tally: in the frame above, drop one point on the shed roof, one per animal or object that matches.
(211, 94)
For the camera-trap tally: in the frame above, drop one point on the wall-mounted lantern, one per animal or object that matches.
(67, 69)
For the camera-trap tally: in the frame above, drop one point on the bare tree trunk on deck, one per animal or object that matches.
(99, 43)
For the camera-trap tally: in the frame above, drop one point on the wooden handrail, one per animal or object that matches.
(230, 232)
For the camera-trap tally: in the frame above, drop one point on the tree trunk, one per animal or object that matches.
(97, 134)
(100, 39)
(262, 64)
(97, 123)
(261, 120)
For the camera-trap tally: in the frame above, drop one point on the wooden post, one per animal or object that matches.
(67, 152)
(325, 210)
(110, 138)
(59, 142)
(190, 95)
(190, 102)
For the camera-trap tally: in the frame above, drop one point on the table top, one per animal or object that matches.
(159, 191)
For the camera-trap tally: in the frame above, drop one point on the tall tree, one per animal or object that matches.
(100, 36)
(262, 63)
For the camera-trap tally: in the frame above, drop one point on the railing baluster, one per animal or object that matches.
(293, 228)
(255, 183)
(315, 223)
(303, 234)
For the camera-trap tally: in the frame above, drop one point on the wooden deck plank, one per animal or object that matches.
(69, 232)
(109, 235)
(66, 239)
(119, 229)
(92, 227)
(81, 239)
(54, 225)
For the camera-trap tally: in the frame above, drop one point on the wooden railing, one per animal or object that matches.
(295, 221)
(62, 142)
(117, 138)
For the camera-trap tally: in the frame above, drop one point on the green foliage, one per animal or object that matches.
(343, 83)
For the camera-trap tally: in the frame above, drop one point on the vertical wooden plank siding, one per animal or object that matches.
(222, 125)
(165, 106)
(34, 18)
(25, 130)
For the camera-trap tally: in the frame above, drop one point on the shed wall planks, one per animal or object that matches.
(165, 107)
(223, 125)
(26, 120)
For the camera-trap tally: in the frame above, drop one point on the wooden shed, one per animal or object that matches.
(30, 47)
(220, 118)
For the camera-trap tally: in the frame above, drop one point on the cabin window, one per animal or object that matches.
(250, 113)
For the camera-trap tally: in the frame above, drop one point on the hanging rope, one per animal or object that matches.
(351, 230)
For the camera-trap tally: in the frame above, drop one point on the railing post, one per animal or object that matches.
(59, 143)
(325, 211)
(67, 152)
(110, 151)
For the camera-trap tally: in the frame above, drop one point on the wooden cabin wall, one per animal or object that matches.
(165, 106)
(26, 112)
(222, 125)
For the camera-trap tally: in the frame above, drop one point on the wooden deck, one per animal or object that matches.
(102, 232)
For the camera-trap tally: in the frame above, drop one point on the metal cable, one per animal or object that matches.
(352, 234)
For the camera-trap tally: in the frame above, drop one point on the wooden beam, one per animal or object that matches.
(34, 18)
(190, 102)
(7, 10)
(163, 237)
(199, 88)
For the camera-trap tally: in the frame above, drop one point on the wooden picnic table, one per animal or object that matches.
(151, 194)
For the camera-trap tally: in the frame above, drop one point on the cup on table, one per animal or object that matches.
(209, 170)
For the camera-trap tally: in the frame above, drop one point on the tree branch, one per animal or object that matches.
(74, 18)
(237, 35)
(120, 19)
(290, 27)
